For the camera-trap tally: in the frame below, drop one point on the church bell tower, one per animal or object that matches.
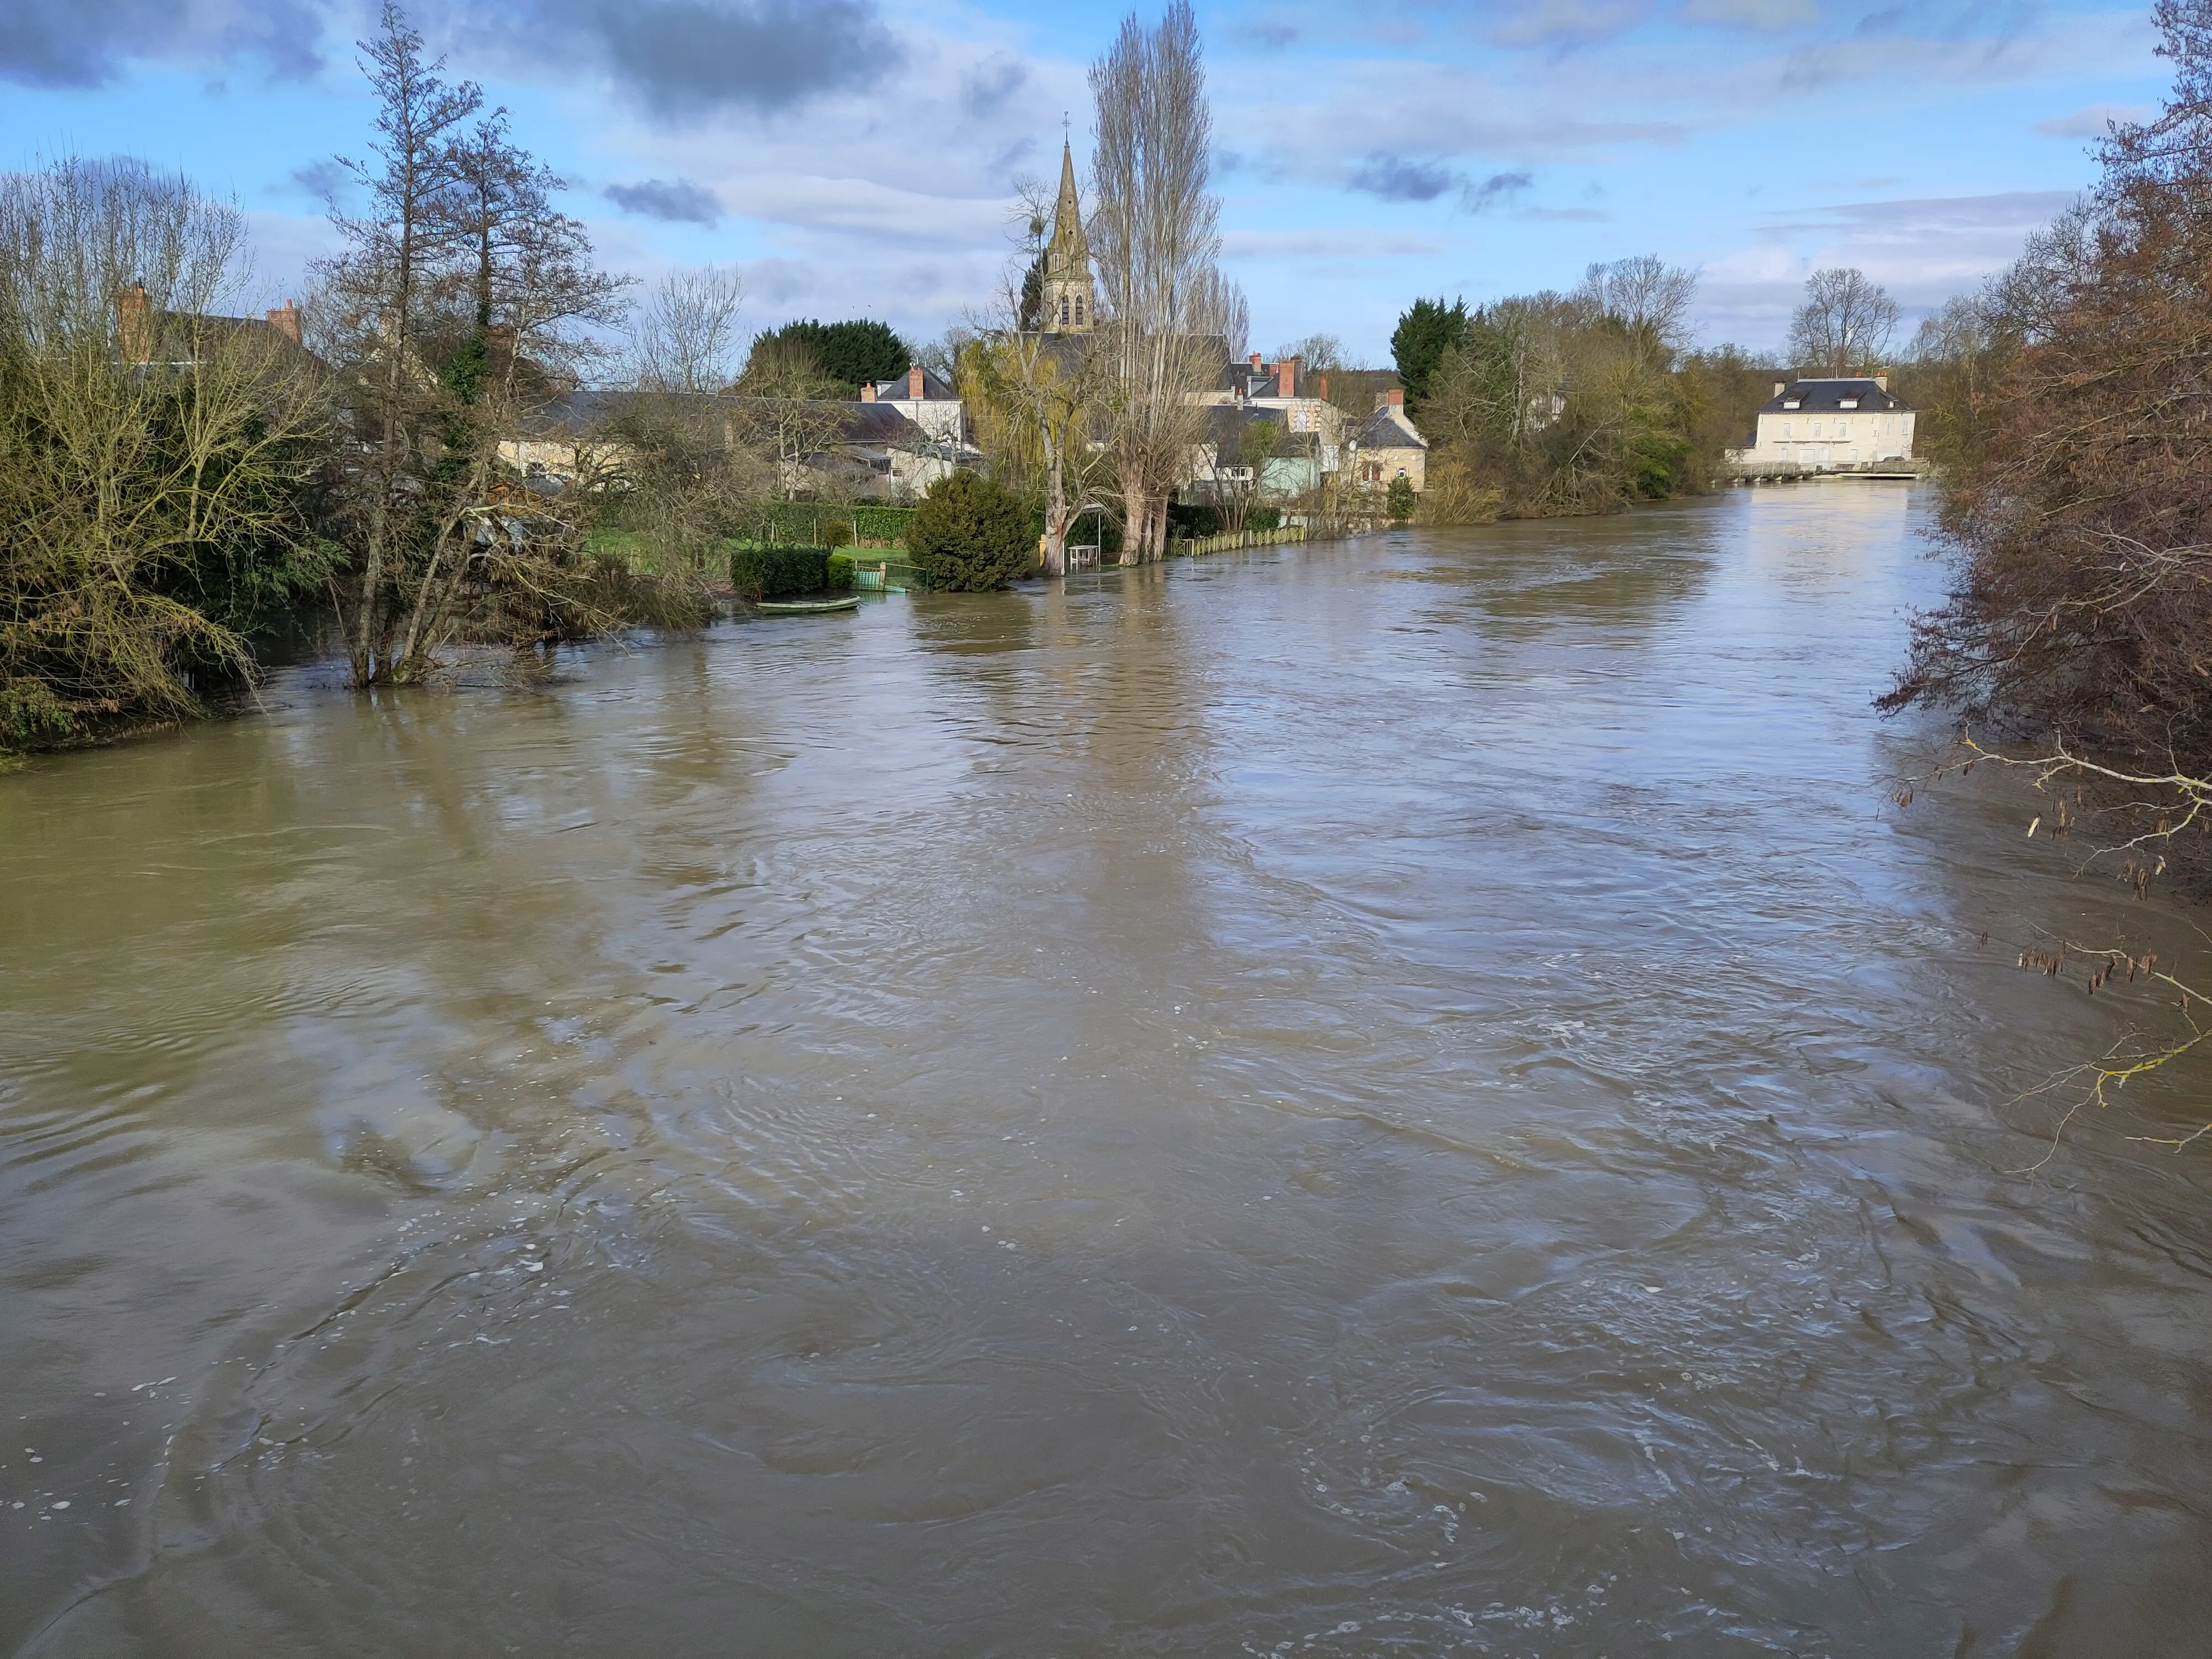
(1070, 302)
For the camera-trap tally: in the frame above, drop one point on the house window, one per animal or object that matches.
(1789, 402)
(1786, 432)
(1849, 403)
(1816, 428)
(1063, 311)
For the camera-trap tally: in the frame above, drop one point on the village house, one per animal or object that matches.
(867, 448)
(923, 399)
(1390, 447)
(1819, 425)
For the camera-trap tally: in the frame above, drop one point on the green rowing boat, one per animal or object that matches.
(807, 607)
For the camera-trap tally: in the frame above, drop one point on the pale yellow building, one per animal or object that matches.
(1823, 425)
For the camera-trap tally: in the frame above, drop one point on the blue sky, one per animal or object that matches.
(857, 157)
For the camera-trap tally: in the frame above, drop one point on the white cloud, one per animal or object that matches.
(2091, 120)
(1349, 243)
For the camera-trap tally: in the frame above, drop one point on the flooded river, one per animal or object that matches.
(1406, 1097)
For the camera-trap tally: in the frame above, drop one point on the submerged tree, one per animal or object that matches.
(1156, 232)
(158, 460)
(461, 301)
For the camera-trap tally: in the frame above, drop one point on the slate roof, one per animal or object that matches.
(1388, 428)
(1827, 396)
(1225, 424)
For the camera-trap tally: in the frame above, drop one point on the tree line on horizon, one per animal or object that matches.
(1594, 399)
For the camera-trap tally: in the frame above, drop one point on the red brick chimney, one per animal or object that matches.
(1393, 399)
(285, 319)
(1255, 362)
(134, 325)
(1320, 386)
(914, 382)
(1286, 378)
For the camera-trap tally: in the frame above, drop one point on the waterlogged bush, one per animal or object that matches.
(1402, 499)
(772, 572)
(970, 535)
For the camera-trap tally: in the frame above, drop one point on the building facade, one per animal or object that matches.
(1821, 425)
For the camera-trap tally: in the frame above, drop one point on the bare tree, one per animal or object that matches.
(521, 282)
(1845, 323)
(1157, 233)
(156, 458)
(1321, 354)
(788, 410)
(380, 293)
(686, 336)
(1649, 297)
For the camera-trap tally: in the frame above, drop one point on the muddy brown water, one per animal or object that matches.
(1408, 1096)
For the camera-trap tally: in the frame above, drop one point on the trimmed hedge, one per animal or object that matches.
(770, 572)
(881, 523)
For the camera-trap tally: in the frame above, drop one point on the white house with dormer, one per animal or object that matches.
(1822, 424)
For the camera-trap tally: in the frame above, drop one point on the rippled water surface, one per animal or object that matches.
(1406, 1097)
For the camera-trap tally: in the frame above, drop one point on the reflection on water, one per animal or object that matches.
(1402, 1097)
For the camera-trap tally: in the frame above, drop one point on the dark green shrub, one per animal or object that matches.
(769, 572)
(1402, 499)
(971, 534)
(1193, 520)
(850, 352)
(1263, 518)
(837, 534)
(838, 571)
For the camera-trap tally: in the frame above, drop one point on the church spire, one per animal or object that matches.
(1070, 306)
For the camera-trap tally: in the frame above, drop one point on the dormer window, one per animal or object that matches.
(1789, 402)
(1849, 403)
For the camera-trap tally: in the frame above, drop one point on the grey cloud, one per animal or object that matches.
(676, 201)
(990, 84)
(686, 58)
(1394, 179)
(320, 180)
(1269, 34)
(85, 43)
(1476, 198)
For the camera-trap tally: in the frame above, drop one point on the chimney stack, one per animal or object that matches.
(914, 382)
(867, 392)
(1781, 386)
(1882, 379)
(1393, 399)
(285, 319)
(1320, 386)
(1255, 362)
(1286, 378)
(134, 325)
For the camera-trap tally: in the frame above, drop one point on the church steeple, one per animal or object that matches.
(1070, 304)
